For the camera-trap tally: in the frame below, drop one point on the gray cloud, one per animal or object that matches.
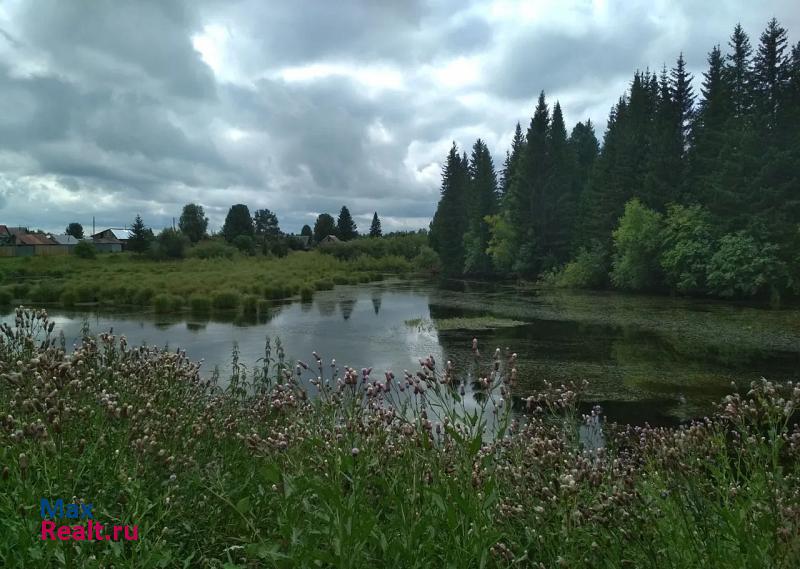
(115, 107)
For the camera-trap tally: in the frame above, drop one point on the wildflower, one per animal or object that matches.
(354, 451)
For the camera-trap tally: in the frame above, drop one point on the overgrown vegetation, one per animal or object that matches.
(214, 277)
(312, 465)
(688, 194)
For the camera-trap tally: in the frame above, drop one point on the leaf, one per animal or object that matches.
(243, 505)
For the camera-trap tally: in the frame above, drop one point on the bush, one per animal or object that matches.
(142, 296)
(85, 250)
(199, 304)
(171, 244)
(69, 298)
(5, 297)
(637, 243)
(742, 267)
(427, 260)
(45, 292)
(589, 269)
(245, 244)
(306, 294)
(225, 300)
(688, 245)
(250, 304)
(212, 250)
(164, 303)
(323, 284)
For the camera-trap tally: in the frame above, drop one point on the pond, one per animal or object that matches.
(654, 359)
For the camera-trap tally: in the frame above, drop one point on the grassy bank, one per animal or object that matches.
(189, 284)
(264, 473)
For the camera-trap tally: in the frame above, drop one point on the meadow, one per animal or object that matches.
(308, 464)
(199, 285)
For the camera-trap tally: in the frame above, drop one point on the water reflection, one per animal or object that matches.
(646, 359)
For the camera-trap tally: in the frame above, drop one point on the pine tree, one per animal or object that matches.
(512, 160)
(345, 226)
(375, 227)
(265, 223)
(449, 222)
(481, 202)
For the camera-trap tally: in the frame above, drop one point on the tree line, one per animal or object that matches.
(694, 193)
(244, 231)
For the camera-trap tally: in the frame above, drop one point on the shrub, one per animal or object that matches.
(263, 306)
(427, 261)
(743, 267)
(245, 244)
(250, 304)
(225, 300)
(143, 296)
(637, 243)
(199, 304)
(340, 279)
(589, 269)
(5, 297)
(688, 245)
(85, 250)
(171, 244)
(306, 294)
(69, 298)
(45, 292)
(212, 250)
(164, 303)
(323, 284)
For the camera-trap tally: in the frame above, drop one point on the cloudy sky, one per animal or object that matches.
(112, 108)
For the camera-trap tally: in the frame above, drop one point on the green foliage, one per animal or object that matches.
(250, 304)
(214, 249)
(171, 244)
(199, 304)
(141, 236)
(85, 250)
(688, 244)
(743, 267)
(193, 223)
(238, 223)
(450, 220)
(75, 229)
(68, 298)
(245, 244)
(306, 231)
(345, 226)
(426, 261)
(375, 227)
(225, 300)
(324, 226)
(637, 243)
(589, 269)
(306, 294)
(165, 303)
(6, 296)
(266, 223)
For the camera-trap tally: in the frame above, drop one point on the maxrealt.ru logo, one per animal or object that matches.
(89, 531)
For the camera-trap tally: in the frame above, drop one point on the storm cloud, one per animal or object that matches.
(112, 108)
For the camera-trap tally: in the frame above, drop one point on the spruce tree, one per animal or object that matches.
(481, 202)
(559, 191)
(770, 73)
(449, 222)
(140, 238)
(375, 227)
(738, 71)
(345, 226)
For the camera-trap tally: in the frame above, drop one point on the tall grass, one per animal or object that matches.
(120, 279)
(312, 465)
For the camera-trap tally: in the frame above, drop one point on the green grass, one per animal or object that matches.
(466, 323)
(120, 280)
(253, 473)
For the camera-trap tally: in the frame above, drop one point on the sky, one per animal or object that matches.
(112, 108)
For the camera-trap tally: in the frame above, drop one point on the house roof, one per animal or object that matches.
(4, 230)
(65, 239)
(330, 239)
(34, 239)
(121, 234)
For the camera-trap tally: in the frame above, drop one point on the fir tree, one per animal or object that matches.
(738, 71)
(345, 226)
(559, 191)
(449, 222)
(375, 227)
(481, 202)
(141, 236)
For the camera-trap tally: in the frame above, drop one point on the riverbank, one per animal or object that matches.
(265, 473)
(195, 285)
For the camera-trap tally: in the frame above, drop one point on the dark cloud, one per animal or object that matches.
(113, 107)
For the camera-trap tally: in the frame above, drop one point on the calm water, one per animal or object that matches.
(647, 358)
